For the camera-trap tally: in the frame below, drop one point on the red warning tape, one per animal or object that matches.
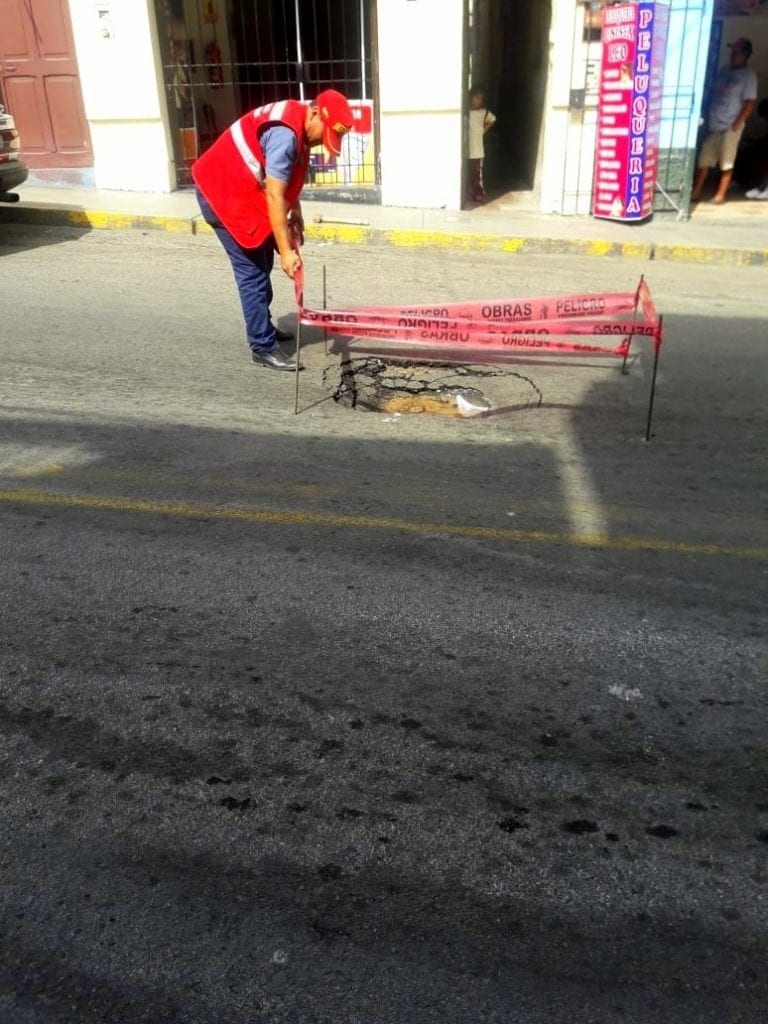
(501, 325)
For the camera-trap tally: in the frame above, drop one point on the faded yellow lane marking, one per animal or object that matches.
(42, 469)
(304, 517)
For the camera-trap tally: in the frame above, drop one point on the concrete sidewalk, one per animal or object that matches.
(735, 234)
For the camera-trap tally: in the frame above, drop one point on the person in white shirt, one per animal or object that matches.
(480, 121)
(733, 102)
(751, 168)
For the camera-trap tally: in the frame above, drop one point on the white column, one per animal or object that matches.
(421, 87)
(123, 89)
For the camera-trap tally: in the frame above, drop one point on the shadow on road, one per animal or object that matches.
(304, 769)
(15, 237)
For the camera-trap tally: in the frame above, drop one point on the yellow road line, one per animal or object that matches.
(301, 517)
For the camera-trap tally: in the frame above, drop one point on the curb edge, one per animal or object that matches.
(403, 238)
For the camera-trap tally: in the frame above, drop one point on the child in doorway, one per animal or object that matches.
(480, 121)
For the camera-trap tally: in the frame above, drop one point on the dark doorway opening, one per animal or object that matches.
(509, 57)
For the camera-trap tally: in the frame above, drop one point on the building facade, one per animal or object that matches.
(124, 94)
(567, 168)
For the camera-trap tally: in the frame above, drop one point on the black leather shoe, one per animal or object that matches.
(274, 358)
(284, 335)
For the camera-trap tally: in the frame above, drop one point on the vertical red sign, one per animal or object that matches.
(634, 42)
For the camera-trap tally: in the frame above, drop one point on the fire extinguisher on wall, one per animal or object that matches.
(213, 65)
(213, 61)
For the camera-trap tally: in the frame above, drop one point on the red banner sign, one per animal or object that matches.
(634, 42)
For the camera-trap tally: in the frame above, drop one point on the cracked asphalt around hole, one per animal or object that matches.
(367, 719)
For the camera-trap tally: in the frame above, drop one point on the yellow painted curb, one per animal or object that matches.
(52, 216)
(55, 216)
(339, 233)
(712, 255)
(474, 242)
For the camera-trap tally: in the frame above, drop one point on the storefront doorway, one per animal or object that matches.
(508, 46)
(732, 22)
(222, 58)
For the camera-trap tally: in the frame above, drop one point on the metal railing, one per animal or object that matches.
(222, 58)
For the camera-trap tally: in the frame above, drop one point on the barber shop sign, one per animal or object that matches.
(634, 43)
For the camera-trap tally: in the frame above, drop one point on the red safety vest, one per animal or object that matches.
(232, 173)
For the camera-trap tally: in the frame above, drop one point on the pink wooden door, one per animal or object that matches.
(40, 82)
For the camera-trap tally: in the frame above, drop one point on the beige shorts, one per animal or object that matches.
(719, 148)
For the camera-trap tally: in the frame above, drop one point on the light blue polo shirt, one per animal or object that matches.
(734, 86)
(278, 144)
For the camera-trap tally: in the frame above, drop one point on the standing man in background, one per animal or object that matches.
(733, 102)
(248, 186)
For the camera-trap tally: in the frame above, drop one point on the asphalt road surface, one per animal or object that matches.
(350, 718)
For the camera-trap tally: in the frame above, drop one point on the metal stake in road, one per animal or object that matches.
(657, 349)
(342, 220)
(298, 365)
(325, 306)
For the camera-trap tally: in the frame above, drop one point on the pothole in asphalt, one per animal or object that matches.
(374, 384)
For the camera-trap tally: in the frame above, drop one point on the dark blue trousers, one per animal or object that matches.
(252, 269)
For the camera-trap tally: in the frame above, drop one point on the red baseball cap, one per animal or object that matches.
(337, 119)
